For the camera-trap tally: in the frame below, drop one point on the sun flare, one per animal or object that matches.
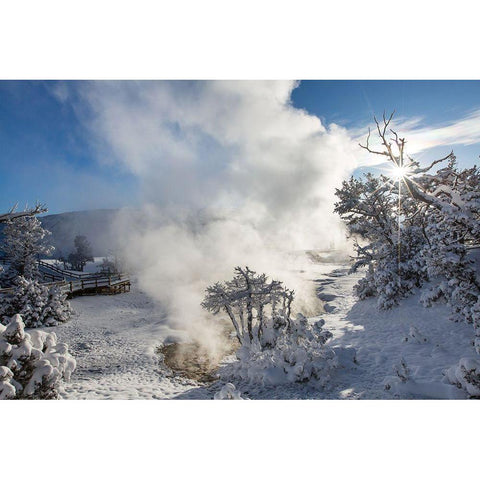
(398, 172)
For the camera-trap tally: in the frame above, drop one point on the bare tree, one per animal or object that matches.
(407, 167)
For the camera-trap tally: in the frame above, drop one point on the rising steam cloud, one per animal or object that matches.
(231, 174)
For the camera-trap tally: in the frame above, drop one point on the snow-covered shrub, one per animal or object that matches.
(24, 241)
(466, 375)
(415, 336)
(228, 392)
(31, 365)
(38, 304)
(401, 376)
(274, 348)
(7, 389)
(297, 355)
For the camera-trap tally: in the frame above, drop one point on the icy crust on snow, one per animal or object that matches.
(31, 364)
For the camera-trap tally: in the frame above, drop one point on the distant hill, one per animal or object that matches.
(96, 225)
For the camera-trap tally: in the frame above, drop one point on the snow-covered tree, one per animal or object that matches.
(32, 365)
(109, 266)
(370, 207)
(12, 214)
(82, 254)
(414, 225)
(24, 240)
(298, 354)
(40, 305)
(453, 227)
(245, 299)
(274, 347)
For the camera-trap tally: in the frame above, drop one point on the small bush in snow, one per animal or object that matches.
(38, 304)
(228, 392)
(415, 336)
(274, 348)
(401, 370)
(296, 355)
(31, 364)
(402, 375)
(466, 375)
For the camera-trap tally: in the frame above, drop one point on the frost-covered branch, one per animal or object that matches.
(12, 214)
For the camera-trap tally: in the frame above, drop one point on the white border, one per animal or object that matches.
(345, 39)
(224, 39)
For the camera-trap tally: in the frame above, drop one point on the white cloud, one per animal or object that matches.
(421, 137)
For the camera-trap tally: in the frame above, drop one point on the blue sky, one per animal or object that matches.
(49, 153)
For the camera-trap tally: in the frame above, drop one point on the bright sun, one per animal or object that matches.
(398, 172)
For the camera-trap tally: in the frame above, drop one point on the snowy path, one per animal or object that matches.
(113, 339)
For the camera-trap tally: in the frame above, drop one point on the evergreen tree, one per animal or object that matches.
(82, 254)
(38, 304)
(24, 240)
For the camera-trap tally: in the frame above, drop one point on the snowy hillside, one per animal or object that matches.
(96, 225)
(99, 226)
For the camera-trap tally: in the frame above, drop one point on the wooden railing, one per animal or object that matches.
(65, 273)
(73, 283)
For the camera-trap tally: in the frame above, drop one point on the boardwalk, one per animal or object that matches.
(77, 284)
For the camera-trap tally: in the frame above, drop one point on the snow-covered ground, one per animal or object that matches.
(424, 337)
(114, 338)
